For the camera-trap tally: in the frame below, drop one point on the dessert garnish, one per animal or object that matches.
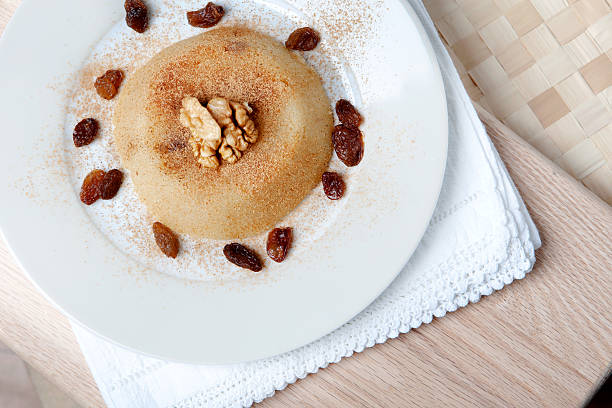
(348, 144)
(136, 15)
(100, 184)
(91, 187)
(333, 185)
(279, 242)
(85, 132)
(303, 39)
(166, 240)
(347, 114)
(242, 256)
(108, 84)
(206, 17)
(110, 184)
(221, 130)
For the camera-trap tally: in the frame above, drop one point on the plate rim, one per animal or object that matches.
(433, 62)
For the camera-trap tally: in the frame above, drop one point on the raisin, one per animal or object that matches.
(242, 256)
(136, 15)
(333, 185)
(85, 132)
(206, 17)
(303, 39)
(166, 240)
(115, 76)
(347, 114)
(90, 190)
(279, 242)
(106, 90)
(108, 84)
(348, 144)
(110, 184)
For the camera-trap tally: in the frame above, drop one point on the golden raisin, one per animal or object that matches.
(166, 240)
(242, 256)
(108, 84)
(303, 39)
(91, 187)
(136, 15)
(206, 17)
(348, 144)
(85, 132)
(111, 184)
(347, 114)
(279, 242)
(333, 185)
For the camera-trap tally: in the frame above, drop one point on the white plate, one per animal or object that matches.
(200, 310)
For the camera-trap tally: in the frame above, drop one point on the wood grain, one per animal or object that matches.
(543, 341)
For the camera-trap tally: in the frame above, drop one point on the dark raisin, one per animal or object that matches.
(85, 132)
(115, 76)
(347, 114)
(111, 183)
(279, 242)
(166, 240)
(333, 185)
(136, 15)
(108, 84)
(303, 39)
(348, 144)
(206, 17)
(242, 256)
(91, 187)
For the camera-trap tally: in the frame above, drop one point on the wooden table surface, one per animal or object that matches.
(543, 341)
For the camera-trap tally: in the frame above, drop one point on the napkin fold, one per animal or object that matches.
(479, 239)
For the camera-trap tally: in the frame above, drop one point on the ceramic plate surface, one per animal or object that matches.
(100, 265)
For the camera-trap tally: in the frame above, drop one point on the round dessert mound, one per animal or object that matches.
(292, 115)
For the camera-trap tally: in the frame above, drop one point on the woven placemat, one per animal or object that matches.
(544, 68)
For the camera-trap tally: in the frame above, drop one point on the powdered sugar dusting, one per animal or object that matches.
(124, 220)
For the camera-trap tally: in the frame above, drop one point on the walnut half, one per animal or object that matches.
(221, 129)
(205, 131)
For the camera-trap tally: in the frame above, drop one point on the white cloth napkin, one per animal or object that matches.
(479, 239)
